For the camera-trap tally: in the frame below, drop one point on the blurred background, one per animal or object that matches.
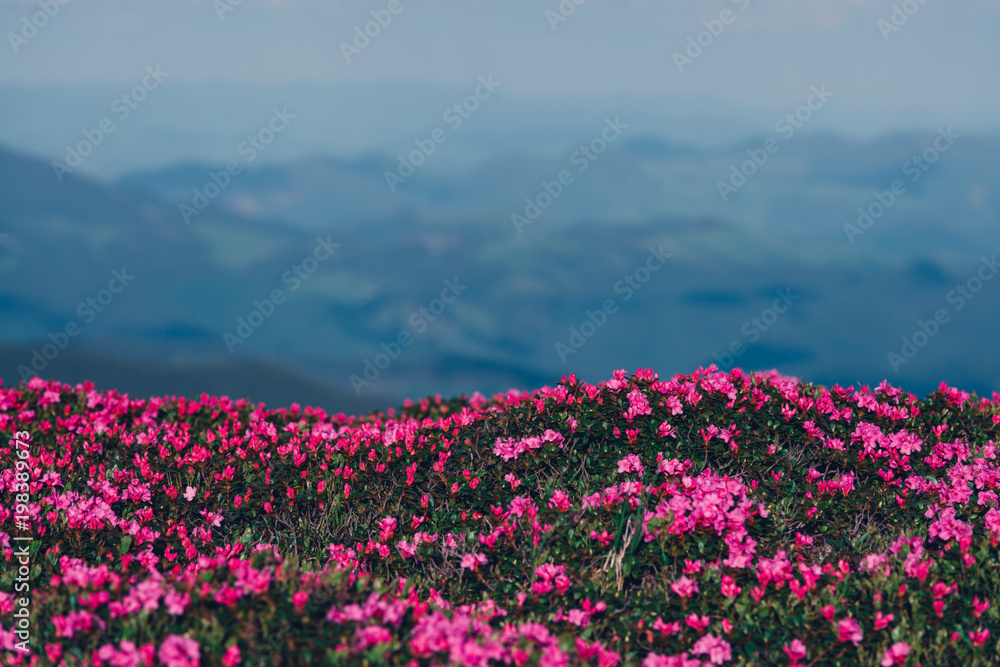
(347, 204)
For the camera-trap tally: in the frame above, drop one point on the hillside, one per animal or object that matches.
(705, 519)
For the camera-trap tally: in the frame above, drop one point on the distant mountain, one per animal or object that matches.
(209, 120)
(438, 292)
(806, 191)
(260, 382)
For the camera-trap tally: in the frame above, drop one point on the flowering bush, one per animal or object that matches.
(711, 519)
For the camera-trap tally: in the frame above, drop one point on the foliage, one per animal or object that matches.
(714, 518)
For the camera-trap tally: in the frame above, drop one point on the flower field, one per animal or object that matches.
(706, 519)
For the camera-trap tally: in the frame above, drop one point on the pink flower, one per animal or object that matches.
(895, 655)
(670, 466)
(729, 587)
(638, 405)
(408, 550)
(698, 624)
(189, 493)
(666, 628)
(232, 656)
(176, 602)
(979, 637)
(849, 630)
(177, 651)
(607, 658)
(657, 660)
(630, 463)
(604, 537)
(387, 528)
(299, 599)
(684, 587)
(54, 652)
(979, 607)
(796, 650)
(666, 430)
(560, 500)
(718, 649)
(473, 561)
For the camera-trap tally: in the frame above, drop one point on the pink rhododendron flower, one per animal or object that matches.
(665, 430)
(630, 463)
(53, 651)
(684, 587)
(670, 467)
(189, 493)
(387, 528)
(979, 607)
(473, 561)
(559, 501)
(896, 655)
(848, 630)
(718, 649)
(232, 656)
(666, 628)
(882, 621)
(681, 660)
(619, 380)
(178, 651)
(795, 651)
(697, 623)
(638, 405)
(979, 637)
(729, 587)
(692, 566)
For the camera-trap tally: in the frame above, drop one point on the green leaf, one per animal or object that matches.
(126, 543)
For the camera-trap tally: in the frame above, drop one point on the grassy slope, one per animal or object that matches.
(775, 483)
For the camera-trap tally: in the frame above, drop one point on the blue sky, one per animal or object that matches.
(942, 59)
(936, 67)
